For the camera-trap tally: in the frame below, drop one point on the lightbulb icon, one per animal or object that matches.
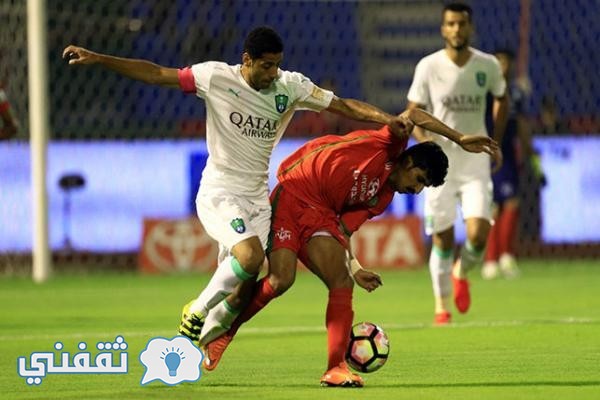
(172, 360)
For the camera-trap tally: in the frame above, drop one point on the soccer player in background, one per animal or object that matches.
(327, 189)
(453, 83)
(10, 125)
(516, 146)
(248, 108)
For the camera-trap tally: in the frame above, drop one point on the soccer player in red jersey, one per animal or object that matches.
(326, 190)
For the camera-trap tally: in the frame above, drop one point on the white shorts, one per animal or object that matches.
(473, 195)
(230, 218)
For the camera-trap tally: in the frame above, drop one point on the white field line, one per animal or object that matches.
(303, 329)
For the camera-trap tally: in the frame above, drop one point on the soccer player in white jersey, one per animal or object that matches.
(453, 83)
(248, 108)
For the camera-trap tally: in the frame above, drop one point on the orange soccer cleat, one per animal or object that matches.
(214, 350)
(341, 376)
(442, 318)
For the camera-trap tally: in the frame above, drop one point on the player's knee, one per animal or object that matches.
(478, 241)
(235, 302)
(340, 281)
(281, 282)
(251, 259)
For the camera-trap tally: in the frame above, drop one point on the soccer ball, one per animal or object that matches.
(368, 349)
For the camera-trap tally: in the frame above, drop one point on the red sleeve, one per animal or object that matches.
(186, 80)
(352, 219)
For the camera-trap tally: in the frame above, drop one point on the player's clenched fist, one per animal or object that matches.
(79, 55)
(402, 126)
(368, 280)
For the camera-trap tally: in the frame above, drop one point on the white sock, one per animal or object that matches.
(219, 321)
(440, 268)
(228, 275)
(470, 257)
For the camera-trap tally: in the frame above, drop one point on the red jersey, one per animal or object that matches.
(346, 174)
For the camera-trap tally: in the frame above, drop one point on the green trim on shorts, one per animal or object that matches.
(442, 253)
(238, 270)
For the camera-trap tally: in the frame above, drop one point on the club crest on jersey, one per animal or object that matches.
(281, 101)
(238, 225)
(480, 76)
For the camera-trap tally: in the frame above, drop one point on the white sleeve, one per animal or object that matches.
(497, 81)
(203, 73)
(308, 96)
(419, 89)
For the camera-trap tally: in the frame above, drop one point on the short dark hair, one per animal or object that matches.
(262, 40)
(458, 7)
(430, 157)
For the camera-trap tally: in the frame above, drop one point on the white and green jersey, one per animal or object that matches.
(457, 96)
(243, 125)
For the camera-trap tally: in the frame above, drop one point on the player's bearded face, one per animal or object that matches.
(263, 71)
(456, 29)
(408, 178)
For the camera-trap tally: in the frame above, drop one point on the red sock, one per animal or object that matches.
(339, 322)
(508, 230)
(492, 252)
(262, 296)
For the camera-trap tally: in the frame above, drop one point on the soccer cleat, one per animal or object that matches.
(490, 270)
(442, 318)
(191, 323)
(462, 297)
(508, 266)
(341, 376)
(214, 351)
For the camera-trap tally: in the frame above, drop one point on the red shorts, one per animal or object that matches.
(294, 223)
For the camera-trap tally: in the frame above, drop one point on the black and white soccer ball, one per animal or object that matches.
(368, 349)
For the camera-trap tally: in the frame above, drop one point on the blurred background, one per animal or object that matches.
(122, 153)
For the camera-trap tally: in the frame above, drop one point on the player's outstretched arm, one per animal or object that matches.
(140, 70)
(361, 111)
(418, 133)
(470, 143)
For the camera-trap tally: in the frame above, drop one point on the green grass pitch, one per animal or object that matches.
(537, 337)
